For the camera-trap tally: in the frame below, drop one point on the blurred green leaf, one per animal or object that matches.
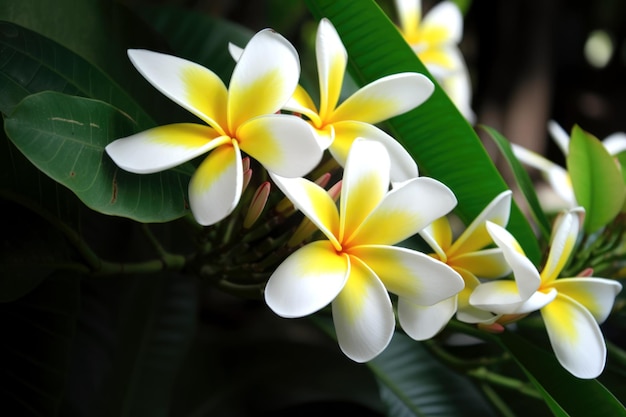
(65, 136)
(37, 335)
(413, 383)
(596, 178)
(523, 181)
(565, 394)
(441, 141)
(158, 322)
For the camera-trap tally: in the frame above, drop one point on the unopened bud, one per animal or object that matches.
(259, 200)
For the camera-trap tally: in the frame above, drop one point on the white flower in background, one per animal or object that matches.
(571, 308)
(435, 38)
(240, 118)
(356, 265)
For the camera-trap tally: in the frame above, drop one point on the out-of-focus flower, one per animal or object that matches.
(571, 308)
(435, 39)
(241, 118)
(467, 256)
(555, 175)
(338, 124)
(355, 267)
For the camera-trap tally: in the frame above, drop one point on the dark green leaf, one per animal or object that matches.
(413, 383)
(437, 136)
(523, 181)
(596, 178)
(565, 394)
(37, 334)
(65, 136)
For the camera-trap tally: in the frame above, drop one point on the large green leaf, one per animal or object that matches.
(65, 136)
(158, 322)
(596, 178)
(413, 383)
(437, 136)
(565, 394)
(37, 336)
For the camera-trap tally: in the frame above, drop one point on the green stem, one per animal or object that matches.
(497, 402)
(483, 374)
(460, 363)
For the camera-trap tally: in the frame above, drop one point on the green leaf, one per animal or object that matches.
(37, 335)
(158, 324)
(435, 134)
(523, 181)
(31, 63)
(596, 178)
(565, 394)
(65, 136)
(413, 383)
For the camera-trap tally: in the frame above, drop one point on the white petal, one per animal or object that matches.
(536, 302)
(188, 84)
(526, 275)
(215, 188)
(331, 65)
(564, 235)
(282, 143)
(424, 322)
(308, 280)
(486, 263)
(163, 147)
(560, 136)
(575, 337)
(500, 297)
(363, 315)
(445, 15)
(235, 51)
(410, 274)
(264, 78)
(404, 211)
(615, 143)
(385, 98)
(410, 14)
(403, 166)
(365, 183)
(596, 294)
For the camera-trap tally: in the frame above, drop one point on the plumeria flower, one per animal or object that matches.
(355, 266)
(467, 256)
(557, 177)
(337, 125)
(240, 118)
(435, 40)
(571, 308)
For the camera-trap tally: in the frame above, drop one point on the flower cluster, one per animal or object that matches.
(383, 201)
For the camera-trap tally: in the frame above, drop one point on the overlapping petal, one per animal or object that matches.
(575, 337)
(362, 314)
(188, 84)
(403, 166)
(163, 147)
(404, 211)
(301, 102)
(264, 78)
(308, 280)
(486, 263)
(385, 98)
(409, 274)
(365, 183)
(215, 188)
(424, 322)
(501, 297)
(332, 59)
(595, 294)
(314, 202)
(443, 24)
(565, 233)
(410, 15)
(281, 143)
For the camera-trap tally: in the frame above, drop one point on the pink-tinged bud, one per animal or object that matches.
(245, 162)
(323, 180)
(335, 190)
(491, 328)
(247, 175)
(259, 200)
(586, 273)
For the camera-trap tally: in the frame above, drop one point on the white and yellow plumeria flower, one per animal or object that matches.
(571, 308)
(435, 40)
(338, 125)
(555, 175)
(355, 267)
(466, 256)
(241, 118)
